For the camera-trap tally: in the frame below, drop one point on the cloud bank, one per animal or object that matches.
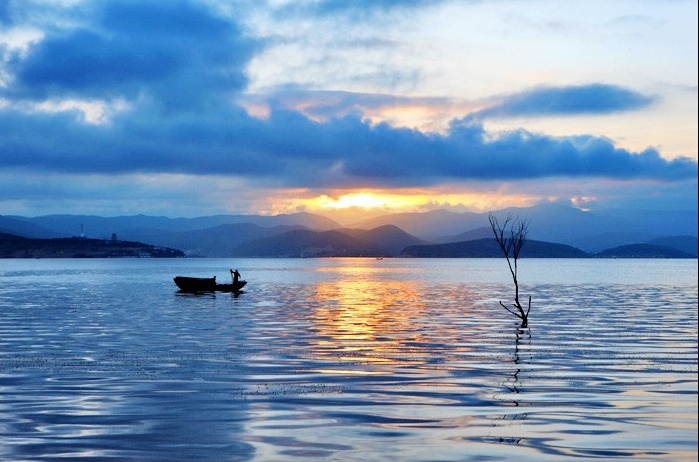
(575, 100)
(177, 68)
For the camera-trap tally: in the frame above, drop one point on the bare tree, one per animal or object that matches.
(511, 236)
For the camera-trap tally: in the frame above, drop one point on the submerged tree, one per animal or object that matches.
(511, 236)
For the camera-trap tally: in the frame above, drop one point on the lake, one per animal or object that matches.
(348, 360)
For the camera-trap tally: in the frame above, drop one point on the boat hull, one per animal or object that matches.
(190, 284)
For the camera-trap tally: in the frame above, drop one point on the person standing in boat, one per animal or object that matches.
(235, 276)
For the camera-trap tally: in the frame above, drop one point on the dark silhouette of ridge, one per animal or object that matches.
(12, 246)
(489, 248)
(238, 235)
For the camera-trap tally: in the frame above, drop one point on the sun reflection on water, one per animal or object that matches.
(358, 320)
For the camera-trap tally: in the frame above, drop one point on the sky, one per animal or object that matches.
(187, 108)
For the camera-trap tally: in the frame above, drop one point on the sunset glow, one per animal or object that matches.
(349, 207)
(364, 200)
(415, 201)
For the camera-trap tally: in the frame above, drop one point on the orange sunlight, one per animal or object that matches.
(364, 200)
(354, 206)
(350, 208)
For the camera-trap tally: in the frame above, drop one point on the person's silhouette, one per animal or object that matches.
(235, 275)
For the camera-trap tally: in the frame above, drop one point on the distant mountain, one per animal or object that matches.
(233, 235)
(643, 251)
(597, 242)
(555, 222)
(104, 227)
(472, 235)
(551, 222)
(13, 246)
(306, 243)
(381, 241)
(214, 236)
(686, 244)
(219, 241)
(430, 226)
(27, 227)
(282, 242)
(245, 239)
(489, 248)
(390, 240)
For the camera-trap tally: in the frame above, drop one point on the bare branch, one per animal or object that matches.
(511, 247)
(512, 312)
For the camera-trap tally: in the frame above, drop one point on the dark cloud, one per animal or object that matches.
(177, 53)
(574, 100)
(291, 150)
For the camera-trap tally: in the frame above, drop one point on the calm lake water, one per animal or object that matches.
(348, 360)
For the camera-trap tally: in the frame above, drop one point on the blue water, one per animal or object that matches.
(348, 360)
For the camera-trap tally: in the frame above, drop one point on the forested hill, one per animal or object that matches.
(489, 248)
(12, 246)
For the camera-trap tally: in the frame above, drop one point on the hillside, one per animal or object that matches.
(50, 226)
(643, 251)
(389, 240)
(686, 244)
(471, 235)
(590, 231)
(489, 248)
(306, 243)
(12, 246)
(219, 241)
(382, 241)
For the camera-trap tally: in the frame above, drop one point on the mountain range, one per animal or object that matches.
(554, 230)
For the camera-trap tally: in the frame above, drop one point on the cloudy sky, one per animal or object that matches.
(195, 107)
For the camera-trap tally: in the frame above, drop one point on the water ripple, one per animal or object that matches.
(345, 361)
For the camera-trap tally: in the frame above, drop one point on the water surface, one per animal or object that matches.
(348, 360)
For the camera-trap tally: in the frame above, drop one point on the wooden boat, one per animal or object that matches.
(190, 284)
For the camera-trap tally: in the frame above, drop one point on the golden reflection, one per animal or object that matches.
(362, 318)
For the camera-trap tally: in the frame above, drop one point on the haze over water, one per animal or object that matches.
(348, 360)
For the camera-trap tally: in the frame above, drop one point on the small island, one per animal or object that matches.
(12, 246)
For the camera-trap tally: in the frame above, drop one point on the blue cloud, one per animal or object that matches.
(575, 100)
(331, 6)
(130, 51)
(6, 13)
(355, 8)
(289, 149)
